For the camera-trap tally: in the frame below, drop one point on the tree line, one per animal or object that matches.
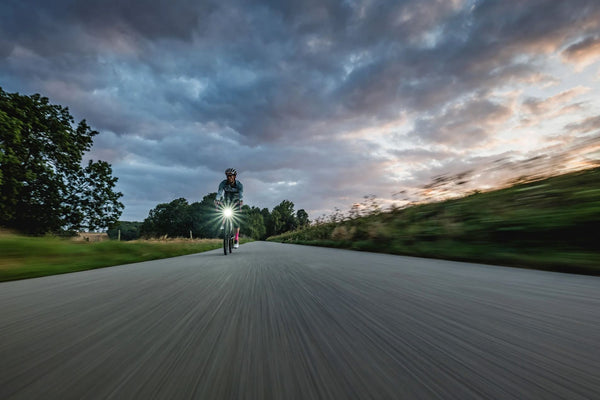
(43, 185)
(201, 220)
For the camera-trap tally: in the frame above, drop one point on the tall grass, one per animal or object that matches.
(549, 224)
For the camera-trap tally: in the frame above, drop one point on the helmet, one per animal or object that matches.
(230, 171)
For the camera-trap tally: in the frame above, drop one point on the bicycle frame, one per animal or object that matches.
(228, 214)
(228, 234)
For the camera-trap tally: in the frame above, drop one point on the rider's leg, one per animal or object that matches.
(237, 231)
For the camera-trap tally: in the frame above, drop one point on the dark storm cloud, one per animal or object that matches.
(274, 67)
(467, 123)
(271, 85)
(52, 23)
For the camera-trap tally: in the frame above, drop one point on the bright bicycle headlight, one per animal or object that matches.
(228, 212)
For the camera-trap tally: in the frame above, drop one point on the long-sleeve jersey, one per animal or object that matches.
(231, 192)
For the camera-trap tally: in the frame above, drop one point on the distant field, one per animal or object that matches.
(549, 224)
(28, 257)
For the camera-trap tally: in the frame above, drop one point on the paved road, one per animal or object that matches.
(277, 321)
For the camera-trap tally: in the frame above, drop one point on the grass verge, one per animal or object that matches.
(547, 259)
(30, 257)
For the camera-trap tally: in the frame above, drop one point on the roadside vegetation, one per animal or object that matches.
(30, 257)
(549, 224)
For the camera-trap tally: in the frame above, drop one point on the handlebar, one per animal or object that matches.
(220, 204)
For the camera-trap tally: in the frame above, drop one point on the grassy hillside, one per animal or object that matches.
(549, 224)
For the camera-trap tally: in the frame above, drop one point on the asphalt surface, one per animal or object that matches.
(274, 321)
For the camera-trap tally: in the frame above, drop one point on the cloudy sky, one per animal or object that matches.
(318, 101)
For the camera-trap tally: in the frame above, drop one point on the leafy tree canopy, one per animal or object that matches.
(129, 230)
(302, 217)
(43, 186)
(283, 217)
(178, 218)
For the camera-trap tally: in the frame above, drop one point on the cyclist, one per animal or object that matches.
(232, 191)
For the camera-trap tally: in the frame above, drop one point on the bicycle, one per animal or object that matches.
(228, 213)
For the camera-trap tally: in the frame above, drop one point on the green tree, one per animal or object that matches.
(283, 217)
(205, 222)
(172, 219)
(268, 221)
(130, 230)
(254, 225)
(93, 202)
(302, 218)
(43, 187)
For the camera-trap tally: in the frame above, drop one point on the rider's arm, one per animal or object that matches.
(240, 190)
(220, 191)
(240, 194)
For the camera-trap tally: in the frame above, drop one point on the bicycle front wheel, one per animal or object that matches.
(226, 241)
